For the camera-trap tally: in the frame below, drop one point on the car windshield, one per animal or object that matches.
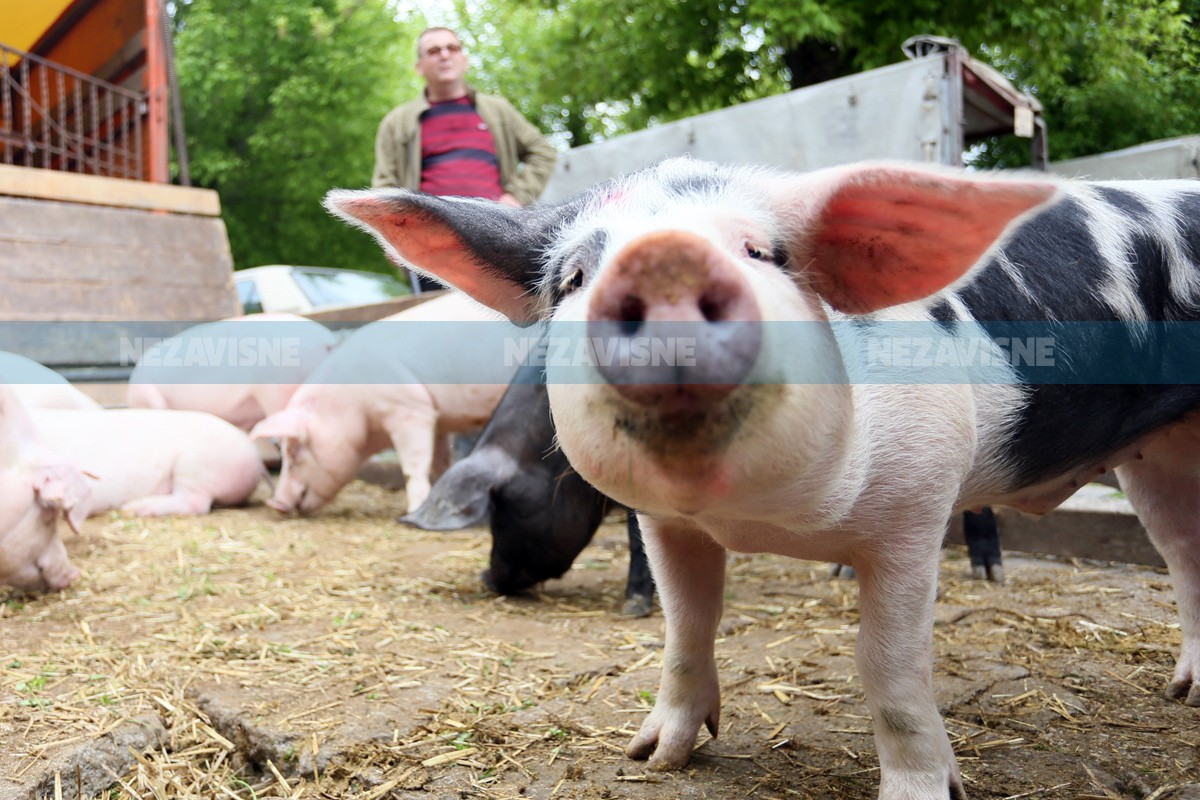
(248, 294)
(348, 288)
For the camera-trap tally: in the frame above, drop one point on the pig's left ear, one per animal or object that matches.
(488, 250)
(64, 488)
(878, 235)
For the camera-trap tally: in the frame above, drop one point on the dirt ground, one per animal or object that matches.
(245, 655)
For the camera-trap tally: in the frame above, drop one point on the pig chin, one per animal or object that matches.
(669, 460)
(684, 430)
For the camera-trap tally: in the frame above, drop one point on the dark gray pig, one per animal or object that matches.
(542, 514)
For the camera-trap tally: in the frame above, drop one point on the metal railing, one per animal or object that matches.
(54, 117)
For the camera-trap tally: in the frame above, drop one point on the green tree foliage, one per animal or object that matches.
(1110, 73)
(282, 99)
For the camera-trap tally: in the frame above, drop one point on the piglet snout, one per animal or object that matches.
(280, 506)
(673, 323)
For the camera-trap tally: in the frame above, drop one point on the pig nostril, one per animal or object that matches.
(711, 308)
(631, 315)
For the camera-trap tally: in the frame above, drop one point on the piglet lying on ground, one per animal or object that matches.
(285, 350)
(152, 463)
(37, 486)
(807, 425)
(542, 514)
(406, 381)
(37, 386)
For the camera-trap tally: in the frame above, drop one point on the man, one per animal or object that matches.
(455, 141)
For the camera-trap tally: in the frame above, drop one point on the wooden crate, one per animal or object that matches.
(85, 260)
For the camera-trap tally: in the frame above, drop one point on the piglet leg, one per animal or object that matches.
(895, 662)
(689, 568)
(1164, 488)
(413, 434)
(182, 500)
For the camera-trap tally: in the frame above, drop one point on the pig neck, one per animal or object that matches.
(363, 422)
(839, 474)
(350, 416)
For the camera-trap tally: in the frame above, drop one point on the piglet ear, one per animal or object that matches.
(877, 235)
(488, 250)
(290, 423)
(62, 487)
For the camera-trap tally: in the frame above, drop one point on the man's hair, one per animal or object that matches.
(431, 30)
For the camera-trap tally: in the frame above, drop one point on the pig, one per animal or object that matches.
(38, 486)
(784, 435)
(983, 545)
(153, 462)
(240, 393)
(542, 514)
(405, 381)
(37, 386)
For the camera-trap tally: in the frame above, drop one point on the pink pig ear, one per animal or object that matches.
(290, 423)
(64, 488)
(874, 236)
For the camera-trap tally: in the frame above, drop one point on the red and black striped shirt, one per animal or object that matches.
(458, 155)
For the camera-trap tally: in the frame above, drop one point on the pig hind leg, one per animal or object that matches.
(182, 500)
(1164, 488)
(894, 654)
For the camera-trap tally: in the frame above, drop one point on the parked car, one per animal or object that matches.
(280, 288)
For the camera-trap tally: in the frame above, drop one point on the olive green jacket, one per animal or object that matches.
(526, 159)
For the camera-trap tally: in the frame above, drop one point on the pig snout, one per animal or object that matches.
(57, 573)
(291, 497)
(280, 506)
(674, 323)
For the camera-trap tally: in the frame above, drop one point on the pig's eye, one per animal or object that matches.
(572, 282)
(757, 253)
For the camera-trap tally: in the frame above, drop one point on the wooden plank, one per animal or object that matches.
(70, 187)
(24, 220)
(70, 261)
(147, 301)
(46, 241)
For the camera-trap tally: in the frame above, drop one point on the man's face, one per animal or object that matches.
(441, 58)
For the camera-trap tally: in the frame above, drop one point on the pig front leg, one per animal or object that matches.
(413, 435)
(1165, 490)
(894, 655)
(689, 568)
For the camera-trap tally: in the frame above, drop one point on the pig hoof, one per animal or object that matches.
(637, 606)
(842, 572)
(641, 747)
(1186, 690)
(665, 752)
(988, 572)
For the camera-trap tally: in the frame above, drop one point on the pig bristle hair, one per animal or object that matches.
(648, 192)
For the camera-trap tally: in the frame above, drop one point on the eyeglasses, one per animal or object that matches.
(437, 50)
